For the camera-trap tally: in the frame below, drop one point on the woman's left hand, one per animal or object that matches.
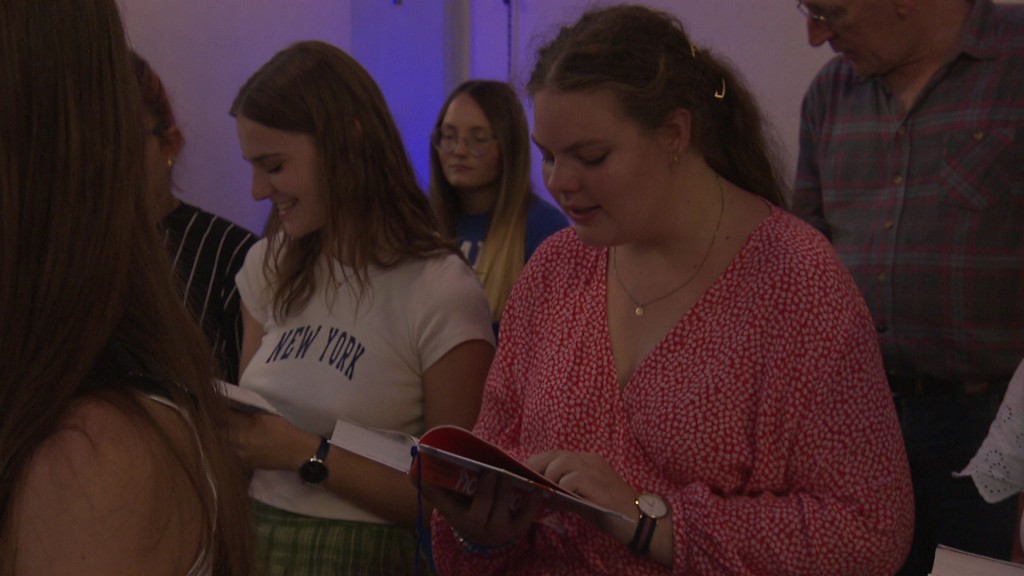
(267, 441)
(589, 476)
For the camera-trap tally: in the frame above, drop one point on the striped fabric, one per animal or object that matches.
(926, 207)
(294, 545)
(207, 252)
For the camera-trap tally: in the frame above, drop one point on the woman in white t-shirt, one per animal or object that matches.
(355, 306)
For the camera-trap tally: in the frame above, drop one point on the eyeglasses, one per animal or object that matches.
(820, 15)
(478, 142)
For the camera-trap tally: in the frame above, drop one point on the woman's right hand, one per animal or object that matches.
(486, 519)
(268, 441)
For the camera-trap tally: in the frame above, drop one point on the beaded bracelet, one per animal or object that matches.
(472, 548)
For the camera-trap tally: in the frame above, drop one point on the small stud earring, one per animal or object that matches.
(170, 161)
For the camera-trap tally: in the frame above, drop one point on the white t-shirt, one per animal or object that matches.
(363, 363)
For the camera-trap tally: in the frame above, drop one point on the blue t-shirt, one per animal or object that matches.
(542, 220)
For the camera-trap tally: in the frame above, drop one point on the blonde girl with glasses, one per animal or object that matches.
(480, 185)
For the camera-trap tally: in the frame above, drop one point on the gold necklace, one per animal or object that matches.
(640, 306)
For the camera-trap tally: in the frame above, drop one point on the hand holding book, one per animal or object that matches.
(453, 458)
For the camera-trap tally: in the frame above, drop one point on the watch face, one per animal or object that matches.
(313, 471)
(651, 505)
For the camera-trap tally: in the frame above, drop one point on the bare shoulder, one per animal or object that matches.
(105, 495)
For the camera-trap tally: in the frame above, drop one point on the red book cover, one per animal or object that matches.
(452, 458)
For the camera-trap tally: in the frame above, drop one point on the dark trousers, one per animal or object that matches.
(942, 434)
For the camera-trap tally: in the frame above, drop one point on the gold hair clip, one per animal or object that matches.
(721, 94)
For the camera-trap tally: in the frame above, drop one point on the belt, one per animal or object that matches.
(923, 386)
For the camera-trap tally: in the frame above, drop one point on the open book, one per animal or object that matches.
(953, 562)
(453, 458)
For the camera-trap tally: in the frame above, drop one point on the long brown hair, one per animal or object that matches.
(377, 215)
(504, 251)
(646, 60)
(82, 268)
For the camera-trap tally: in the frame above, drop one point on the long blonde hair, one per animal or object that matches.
(504, 251)
(83, 269)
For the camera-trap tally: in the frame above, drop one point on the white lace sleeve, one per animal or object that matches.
(998, 467)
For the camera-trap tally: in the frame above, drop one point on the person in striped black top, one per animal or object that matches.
(207, 250)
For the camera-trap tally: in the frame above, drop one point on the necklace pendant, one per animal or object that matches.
(639, 311)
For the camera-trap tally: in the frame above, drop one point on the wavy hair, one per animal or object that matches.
(646, 60)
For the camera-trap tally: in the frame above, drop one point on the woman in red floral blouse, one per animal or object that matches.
(689, 355)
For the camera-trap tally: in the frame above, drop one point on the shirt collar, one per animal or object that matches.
(980, 38)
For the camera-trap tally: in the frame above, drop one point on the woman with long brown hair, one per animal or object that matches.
(355, 306)
(112, 455)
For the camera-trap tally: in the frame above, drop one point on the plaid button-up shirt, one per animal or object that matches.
(926, 206)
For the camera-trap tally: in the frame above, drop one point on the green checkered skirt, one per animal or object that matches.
(290, 544)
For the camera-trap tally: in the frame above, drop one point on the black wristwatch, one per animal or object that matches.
(314, 471)
(652, 508)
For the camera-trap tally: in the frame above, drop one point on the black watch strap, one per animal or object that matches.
(314, 471)
(321, 451)
(641, 542)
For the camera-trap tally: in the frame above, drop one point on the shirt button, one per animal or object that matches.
(881, 328)
(897, 179)
(889, 224)
(901, 132)
(882, 277)
(979, 135)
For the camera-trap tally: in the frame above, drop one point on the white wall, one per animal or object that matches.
(204, 50)
(764, 39)
(402, 45)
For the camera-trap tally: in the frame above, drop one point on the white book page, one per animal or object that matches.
(392, 449)
(953, 562)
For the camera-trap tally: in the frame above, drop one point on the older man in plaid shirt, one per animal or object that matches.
(912, 163)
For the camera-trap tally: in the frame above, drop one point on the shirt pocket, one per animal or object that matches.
(982, 168)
